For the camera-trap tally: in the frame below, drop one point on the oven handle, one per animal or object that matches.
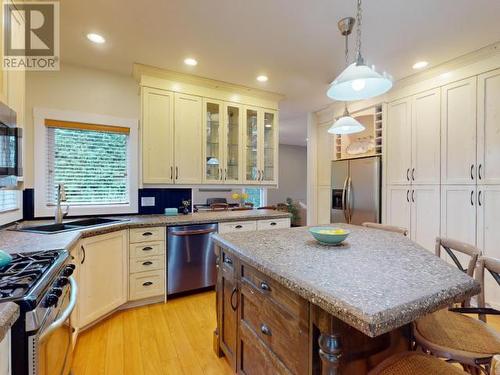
(65, 314)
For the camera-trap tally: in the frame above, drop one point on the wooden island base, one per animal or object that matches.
(263, 328)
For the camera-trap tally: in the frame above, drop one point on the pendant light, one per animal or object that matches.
(359, 81)
(346, 124)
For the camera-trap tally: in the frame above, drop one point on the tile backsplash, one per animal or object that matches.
(154, 201)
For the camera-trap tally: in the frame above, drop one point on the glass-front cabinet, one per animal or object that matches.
(213, 141)
(261, 146)
(222, 142)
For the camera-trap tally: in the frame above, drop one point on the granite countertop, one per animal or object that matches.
(9, 312)
(13, 241)
(376, 281)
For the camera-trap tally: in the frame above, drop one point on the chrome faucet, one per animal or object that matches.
(61, 197)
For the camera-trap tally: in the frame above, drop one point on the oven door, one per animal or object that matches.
(55, 349)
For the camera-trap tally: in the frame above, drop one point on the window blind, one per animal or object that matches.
(91, 162)
(8, 200)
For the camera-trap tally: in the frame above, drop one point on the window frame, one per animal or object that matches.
(14, 214)
(263, 194)
(42, 209)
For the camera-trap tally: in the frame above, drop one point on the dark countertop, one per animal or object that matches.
(9, 312)
(14, 241)
(376, 281)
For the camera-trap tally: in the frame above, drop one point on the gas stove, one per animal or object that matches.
(41, 284)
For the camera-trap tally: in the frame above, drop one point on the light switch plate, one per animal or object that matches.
(147, 201)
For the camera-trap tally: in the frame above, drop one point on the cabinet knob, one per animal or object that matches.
(265, 286)
(265, 330)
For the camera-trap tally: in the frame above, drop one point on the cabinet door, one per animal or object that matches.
(426, 135)
(398, 206)
(399, 142)
(233, 145)
(252, 145)
(269, 148)
(458, 132)
(213, 163)
(228, 311)
(324, 155)
(188, 139)
(458, 213)
(157, 136)
(425, 215)
(103, 276)
(488, 128)
(488, 233)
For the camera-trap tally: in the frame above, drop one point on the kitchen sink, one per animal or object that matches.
(69, 226)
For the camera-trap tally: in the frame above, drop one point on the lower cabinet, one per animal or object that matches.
(458, 212)
(263, 327)
(252, 225)
(102, 275)
(416, 208)
(5, 366)
(227, 304)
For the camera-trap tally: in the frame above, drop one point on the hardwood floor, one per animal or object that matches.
(173, 338)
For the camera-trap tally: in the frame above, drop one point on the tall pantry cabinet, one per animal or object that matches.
(449, 188)
(413, 156)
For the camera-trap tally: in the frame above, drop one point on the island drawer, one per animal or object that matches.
(269, 288)
(147, 249)
(273, 224)
(147, 284)
(147, 264)
(238, 226)
(285, 334)
(254, 356)
(147, 234)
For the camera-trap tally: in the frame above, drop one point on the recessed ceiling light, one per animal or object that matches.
(96, 38)
(262, 78)
(190, 61)
(420, 65)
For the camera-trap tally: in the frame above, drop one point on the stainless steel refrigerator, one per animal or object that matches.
(356, 190)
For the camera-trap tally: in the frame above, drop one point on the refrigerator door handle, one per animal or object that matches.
(349, 200)
(344, 203)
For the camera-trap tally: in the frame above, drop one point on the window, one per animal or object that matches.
(94, 156)
(9, 200)
(257, 196)
(91, 164)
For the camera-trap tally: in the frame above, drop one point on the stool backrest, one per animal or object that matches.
(389, 228)
(491, 265)
(453, 246)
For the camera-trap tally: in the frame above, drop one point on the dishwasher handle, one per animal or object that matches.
(192, 232)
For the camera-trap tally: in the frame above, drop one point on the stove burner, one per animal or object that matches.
(24, 271)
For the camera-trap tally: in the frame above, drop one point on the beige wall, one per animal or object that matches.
(77, 89)
(292, 175)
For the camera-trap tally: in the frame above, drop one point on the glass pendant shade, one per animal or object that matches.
(357, 82)
(346, 125)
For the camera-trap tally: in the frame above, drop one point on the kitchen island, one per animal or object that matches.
(289, 305)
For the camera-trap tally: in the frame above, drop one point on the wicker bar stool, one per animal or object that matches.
(415, 363)
(389, 228)
(450, 334)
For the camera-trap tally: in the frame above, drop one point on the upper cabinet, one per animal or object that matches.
(414, 139)
(458, 136)
(488, 128)
(222, 142)
(199, 131)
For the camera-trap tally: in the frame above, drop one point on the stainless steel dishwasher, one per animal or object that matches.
(191, 258)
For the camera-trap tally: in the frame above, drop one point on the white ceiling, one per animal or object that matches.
(295, 42)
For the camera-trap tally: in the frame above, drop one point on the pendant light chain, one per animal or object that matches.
(359, 17)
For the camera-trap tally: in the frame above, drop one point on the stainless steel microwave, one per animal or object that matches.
(10, 148)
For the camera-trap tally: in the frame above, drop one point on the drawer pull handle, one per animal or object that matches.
(147, 248)
(228, 260)
(233, 293)
(273, 223)
(239, 226)
(147, 283)
(265, 286)
(147, 234)
(148, 263)
(265, 330)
